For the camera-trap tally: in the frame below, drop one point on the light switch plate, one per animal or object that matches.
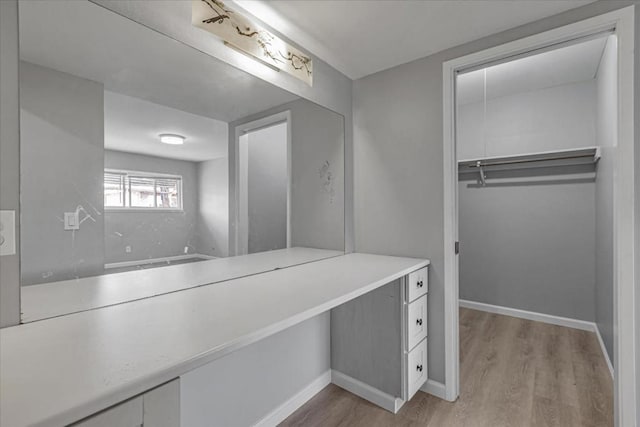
(7, 233)
(71, 221)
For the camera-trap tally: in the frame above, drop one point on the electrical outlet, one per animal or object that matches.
(127, 249)
(71, 221)
(7, 232)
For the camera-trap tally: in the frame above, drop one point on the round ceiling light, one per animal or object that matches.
(173, 139)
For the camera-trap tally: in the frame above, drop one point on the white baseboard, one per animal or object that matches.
(279, 414)
(365, 391)
(155, 260)
(435, 388)
(530, 315)
(604, 351)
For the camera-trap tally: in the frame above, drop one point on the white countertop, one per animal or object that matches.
(71, 296)
(57, 371)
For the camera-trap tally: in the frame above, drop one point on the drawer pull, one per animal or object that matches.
(419, 322)
(419, 284)
(419, 368)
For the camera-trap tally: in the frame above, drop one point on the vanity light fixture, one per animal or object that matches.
(240, 33)
(172, 139)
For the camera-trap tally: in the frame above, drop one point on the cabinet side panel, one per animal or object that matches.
(162, 405)
(366, 339)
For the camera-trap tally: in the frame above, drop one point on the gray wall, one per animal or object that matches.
(527, 238)
(318, 176)
(62, 139)
(528, 242)
(607, 140)
(398, 173)
(267, 188)
(398, 184)
(152, 234)
(317, 151)
(212, 225)
(9, 158)
(245, 386)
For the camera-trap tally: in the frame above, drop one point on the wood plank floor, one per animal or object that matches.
(513, 372)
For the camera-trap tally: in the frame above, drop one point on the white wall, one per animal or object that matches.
(61, 144)
(556, 118)
(213, 207)
(243, 387)
(607, 140)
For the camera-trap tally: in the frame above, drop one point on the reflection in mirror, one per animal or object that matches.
(148, 166)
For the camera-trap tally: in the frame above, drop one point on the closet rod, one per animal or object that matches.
(573, 157)
(479, 164)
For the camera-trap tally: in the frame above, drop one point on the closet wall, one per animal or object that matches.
(527, 237)
(541, 239)
(606, 138)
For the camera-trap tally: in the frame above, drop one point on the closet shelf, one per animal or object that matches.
(581, 156)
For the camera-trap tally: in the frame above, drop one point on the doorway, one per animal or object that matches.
(264, 187)
(619, 23)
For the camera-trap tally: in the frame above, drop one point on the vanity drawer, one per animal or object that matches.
(416, 322)
(417, 371)
(417, 284)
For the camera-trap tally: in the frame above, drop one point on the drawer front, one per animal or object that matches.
(416, 369)
(417, 322)
(418, 284)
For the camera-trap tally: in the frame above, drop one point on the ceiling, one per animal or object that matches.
(133, 125)
(361, 37)
(571, 64)
(86, 40)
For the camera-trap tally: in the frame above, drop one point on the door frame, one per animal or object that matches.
(239, 131)
(626, 350)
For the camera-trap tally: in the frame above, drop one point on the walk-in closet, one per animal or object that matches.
(536, 140)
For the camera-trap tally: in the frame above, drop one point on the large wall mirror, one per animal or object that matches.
(149, 167)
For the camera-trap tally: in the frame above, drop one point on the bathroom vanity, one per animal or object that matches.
(114, 359)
